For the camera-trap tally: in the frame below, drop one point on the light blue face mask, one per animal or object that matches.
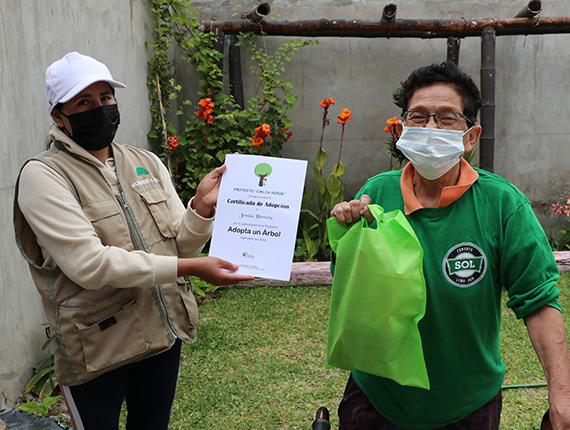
(432, 151)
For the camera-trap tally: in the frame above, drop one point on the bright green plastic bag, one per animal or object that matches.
(378, 298)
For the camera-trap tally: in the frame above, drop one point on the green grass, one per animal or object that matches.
(523, 408)
(259, 363)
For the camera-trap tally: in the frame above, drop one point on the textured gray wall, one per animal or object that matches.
(532, 87)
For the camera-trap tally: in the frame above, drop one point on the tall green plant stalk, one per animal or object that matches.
(314, 243)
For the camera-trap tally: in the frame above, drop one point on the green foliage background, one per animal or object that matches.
(203, 146)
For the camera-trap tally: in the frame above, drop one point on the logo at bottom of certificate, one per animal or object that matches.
(248, 255)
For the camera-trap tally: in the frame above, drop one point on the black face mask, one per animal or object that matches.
(94, 129)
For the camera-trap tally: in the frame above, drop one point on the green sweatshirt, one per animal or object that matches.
(486, 240)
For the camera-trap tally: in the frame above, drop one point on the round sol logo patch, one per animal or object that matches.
(464, 265)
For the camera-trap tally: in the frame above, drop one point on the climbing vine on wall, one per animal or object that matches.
(216, 125)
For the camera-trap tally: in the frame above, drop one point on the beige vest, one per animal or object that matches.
(98, 330)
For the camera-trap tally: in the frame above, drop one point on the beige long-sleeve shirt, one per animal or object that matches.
(67, 238)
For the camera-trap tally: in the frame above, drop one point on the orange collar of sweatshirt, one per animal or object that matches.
(467, 177)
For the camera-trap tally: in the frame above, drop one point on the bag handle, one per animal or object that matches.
(396, 217)
(377, 212)
(336, 231)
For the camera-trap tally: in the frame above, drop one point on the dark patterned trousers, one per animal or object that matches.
(355, 412)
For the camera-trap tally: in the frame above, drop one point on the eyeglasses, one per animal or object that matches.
(442, 119)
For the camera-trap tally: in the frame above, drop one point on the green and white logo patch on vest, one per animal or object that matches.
(464, 265)
(142, 172)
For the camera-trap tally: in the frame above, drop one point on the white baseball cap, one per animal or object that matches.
(69, 76)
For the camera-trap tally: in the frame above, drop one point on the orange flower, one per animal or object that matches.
(206, 103)
(327, 102)
(344, 116)
(289, 134)
(257, 141)
(263, 130)
(261, 133)
(206, 110)
(210, 119)
(172, 143)
(391, 127)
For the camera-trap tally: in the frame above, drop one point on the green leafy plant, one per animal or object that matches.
(201, 287)
(44, 382)
(397, 95)
(274, 96)
(559, 239)
(314, 242)
(397, 159)
(6, 400)
(219, 126)
(40, 407)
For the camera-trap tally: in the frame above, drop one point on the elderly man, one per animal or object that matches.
(460, 213)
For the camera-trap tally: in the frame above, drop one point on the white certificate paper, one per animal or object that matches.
(257, 214)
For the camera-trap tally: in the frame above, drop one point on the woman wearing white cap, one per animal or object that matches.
(108, 244)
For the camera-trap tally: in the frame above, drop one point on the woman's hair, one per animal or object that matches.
(445, 73)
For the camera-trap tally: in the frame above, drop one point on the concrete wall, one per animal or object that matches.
(532, 87)
(360, 74)
(34, 34)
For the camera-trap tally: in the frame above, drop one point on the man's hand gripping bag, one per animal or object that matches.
(378, 298)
